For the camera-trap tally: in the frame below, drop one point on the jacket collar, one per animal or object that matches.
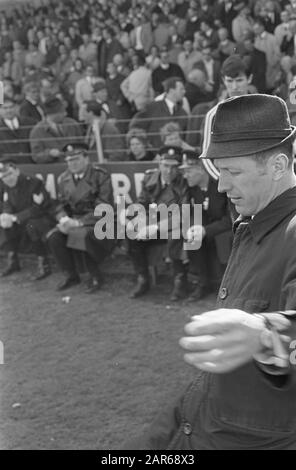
(69, 175)
(271, 216)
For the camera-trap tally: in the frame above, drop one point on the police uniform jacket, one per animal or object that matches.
(153, 191)
(27, 200)
(79, 199)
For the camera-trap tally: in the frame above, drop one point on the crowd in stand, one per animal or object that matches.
(111, 61)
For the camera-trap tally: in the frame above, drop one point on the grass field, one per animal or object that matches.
(91, 373)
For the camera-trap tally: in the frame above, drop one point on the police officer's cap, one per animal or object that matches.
(74, 149)
(170, 154)
(190, 158)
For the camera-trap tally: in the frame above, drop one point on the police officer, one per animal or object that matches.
(26, 210)
(164, 185)
(81, 188)
(214, 230)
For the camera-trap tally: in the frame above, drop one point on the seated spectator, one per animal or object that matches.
(206, 262)
(136, 87)
(81, 188)
(31, 107)
(170, 135)
(14, 132)
(137, 143)
(164, 185)
(50, 135)
(111, 140)
(25, 213)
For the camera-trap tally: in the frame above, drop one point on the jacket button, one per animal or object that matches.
(223, 293)
(187, 429)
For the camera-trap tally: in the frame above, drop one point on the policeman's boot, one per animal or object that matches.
(13, 264)
(180, 289)
(142, 286)
(71, 279)
(43, 268)
(198, 293)
(94, 282)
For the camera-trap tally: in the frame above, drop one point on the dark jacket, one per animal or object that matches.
(153, 191)
(15, 143)
(215, 216)
(27, 200)
(43, 139)
(246, 408)
(79, 200)
(196, 95)
(31, 111)
(256, 65)
(159, 75)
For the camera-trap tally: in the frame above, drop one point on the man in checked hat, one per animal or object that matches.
(244, 394)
